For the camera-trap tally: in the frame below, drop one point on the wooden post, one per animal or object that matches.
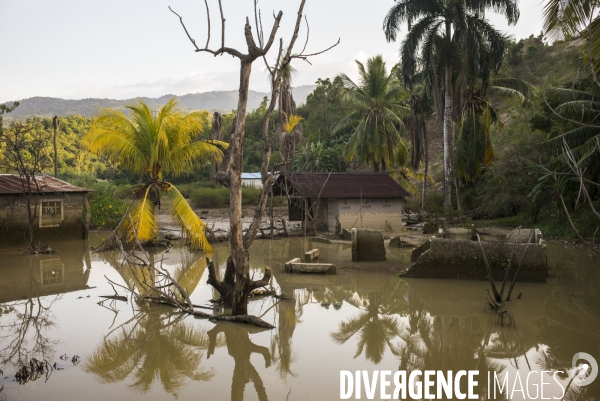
(285, 228)
(55, 124)
(88, 215)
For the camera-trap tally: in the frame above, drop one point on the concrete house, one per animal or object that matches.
(62, 209)
(361, 200)
(251, 180)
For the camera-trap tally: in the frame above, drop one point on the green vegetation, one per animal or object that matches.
(452, 48)
(207, 197)
(147, 144)
(375, 116)
(515, 160)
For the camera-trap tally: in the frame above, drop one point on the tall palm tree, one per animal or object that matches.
(376, 113)
(149, 144)
(473, 148)
(446, 38)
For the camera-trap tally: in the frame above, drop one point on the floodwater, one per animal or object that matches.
(364, 318)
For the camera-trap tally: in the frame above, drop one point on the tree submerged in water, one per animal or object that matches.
(151, 144)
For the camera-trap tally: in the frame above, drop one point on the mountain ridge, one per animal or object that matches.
(222, 101)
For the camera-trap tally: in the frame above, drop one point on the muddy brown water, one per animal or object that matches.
(363, 318)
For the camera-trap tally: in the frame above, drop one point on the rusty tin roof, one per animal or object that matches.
(340, 185)
(11, 184)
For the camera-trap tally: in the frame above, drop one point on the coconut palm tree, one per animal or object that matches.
(290, 133)
(447, 38)
(473, 148)
(376, 113)
(150, 144)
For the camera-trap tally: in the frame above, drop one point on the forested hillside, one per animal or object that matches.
(222, 101)
(505, 187)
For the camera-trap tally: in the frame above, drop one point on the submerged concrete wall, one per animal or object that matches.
(367, 245)
(463, 259)
(63, 220)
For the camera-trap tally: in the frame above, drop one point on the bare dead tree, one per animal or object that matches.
(217, 135)
(25, 153)
(236, 283)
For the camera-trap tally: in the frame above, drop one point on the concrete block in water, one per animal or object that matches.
(462, 259)
(346, 235)
(418, 251)
(398, 242)
(295, 266)
(460, 233)
(524, 234)
(367, 245)
(311, 255)
(430, 228)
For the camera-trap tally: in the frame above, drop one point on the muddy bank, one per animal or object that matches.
(217, 220)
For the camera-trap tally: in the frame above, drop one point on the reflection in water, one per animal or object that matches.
(151, 346)
(365, 317)
(28, 281)
(154, 345)
(25, 333)
(376, 324)
(240, 347)
(186, 268)
(281, 342)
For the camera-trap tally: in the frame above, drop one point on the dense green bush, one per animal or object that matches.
(106, 207)
(108, 202)
(210, 197)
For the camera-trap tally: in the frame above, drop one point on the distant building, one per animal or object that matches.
(62, 209)
(251, 180)
(361, 200)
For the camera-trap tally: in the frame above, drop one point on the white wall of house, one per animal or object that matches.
(377, 213)
(252, 183)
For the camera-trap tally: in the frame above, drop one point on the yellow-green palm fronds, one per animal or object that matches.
(192, 225)
(143, 218)
(292, 121)
(405, 177)
(198, 152)
(151, 141)
(113, 135)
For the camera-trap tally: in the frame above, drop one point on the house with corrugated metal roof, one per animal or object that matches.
(252, 180)
(328, 201)
(62, 209)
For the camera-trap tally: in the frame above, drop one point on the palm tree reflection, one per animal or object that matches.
(152, 346)
(376, 324)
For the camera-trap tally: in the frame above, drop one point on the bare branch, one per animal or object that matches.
(222, 25)
(217, 52)
(208, 19)
(307, 34)
(305, 56)
(185, 29)
(258, 27)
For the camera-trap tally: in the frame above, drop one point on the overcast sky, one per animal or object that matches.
(122, 49)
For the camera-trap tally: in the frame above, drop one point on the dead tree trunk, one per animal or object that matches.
(236, 283)
(55, 124)
(216, 135)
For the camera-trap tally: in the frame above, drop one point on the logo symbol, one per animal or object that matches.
(591, 363)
